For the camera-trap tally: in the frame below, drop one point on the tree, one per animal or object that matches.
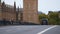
(53, 18)
(41, 16)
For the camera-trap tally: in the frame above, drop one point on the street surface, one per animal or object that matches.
(30, 29)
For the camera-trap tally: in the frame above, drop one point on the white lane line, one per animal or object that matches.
(47, 29)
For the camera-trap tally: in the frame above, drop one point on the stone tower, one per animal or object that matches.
(15, 11)
(30, 11)
(14, 6)
(3, 10)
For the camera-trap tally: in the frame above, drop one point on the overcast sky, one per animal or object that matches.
(43, 5)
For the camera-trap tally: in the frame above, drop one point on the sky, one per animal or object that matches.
(43, 5)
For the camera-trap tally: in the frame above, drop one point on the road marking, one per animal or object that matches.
(47, 29)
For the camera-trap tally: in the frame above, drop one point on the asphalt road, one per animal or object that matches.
(29, 29)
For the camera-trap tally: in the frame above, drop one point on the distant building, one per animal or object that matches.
(8, 12)
(27, 14)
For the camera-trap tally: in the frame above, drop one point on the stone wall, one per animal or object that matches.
(30, 11)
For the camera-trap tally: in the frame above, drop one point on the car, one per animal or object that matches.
(44, 21)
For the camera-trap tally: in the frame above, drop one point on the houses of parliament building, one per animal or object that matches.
(29, 13)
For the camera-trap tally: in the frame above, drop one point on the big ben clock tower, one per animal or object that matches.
(30, 11)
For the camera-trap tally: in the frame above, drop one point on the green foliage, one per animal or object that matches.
(52, 22)
(53, 18)
(41, 16)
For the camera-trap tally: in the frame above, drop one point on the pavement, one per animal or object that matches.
(30, 29)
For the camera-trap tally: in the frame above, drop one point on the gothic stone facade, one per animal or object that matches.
(30, 11)
(29, 14)
(8, 12)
